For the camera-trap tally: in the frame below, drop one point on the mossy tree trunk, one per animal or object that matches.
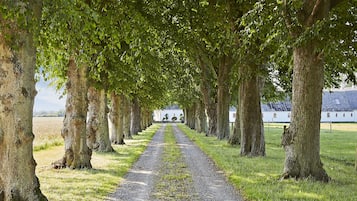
(77, 153)
(135, 126)
(17, 91)
(97, 125)
(117, 117)
(250, 114)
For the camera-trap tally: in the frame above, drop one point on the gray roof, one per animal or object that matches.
(331, 101)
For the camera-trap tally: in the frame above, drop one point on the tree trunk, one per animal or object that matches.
(235, 137)
(302, 140)
(251, 123)
(203, 117)
(117, 117)
(77, 153)
(126, 118)
(192, 115)
(97, 125)
(135, 127)
(17, 91)
(209, 95)
(223, 98)
(198, 124)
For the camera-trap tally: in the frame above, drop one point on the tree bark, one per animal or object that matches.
(117, 117)
(126, 118)
(198, 124)
(250, 115)
(235, 137)
(135, 126)
(209, 95)
(97, 125)
(17, 91)
(191, 116)
(223, 98)
(302, 140)
(77, 153)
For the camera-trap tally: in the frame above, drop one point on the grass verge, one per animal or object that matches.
(258, 178)
(174, 181)
(90, 184)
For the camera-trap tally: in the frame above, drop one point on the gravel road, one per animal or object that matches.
(208, 182)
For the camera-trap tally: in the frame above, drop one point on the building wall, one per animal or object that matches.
(279, 116)
(160, 114)
(271, 116)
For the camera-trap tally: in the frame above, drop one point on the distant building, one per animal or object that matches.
(168, 114)
(337, 106)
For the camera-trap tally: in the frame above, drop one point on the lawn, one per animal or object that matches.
(258, 178)
(88, 184)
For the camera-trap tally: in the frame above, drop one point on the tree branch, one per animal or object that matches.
(310, 19)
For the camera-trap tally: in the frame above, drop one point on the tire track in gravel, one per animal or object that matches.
(174, 181)
(139, 181)
(147, 176)
(210, 183)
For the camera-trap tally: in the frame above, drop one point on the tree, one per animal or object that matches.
(97, 123)
(19, 22)
(117, 118)
(250, 115)
(302, 139)
(77, 153)
(135, 126)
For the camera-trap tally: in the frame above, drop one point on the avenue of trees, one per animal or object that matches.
(120, 60)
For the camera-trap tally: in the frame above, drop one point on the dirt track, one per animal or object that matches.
(208, 183)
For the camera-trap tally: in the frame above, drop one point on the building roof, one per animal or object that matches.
(331, 101)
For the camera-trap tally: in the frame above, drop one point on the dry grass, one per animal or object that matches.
(47, 131)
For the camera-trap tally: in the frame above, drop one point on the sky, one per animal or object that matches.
(47, 99)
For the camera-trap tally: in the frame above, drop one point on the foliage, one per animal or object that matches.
(258, 178)
(275, 25)
(16, 17)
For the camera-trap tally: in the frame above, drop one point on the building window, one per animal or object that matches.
(288, 115)
(343, 115)
(274, 115)
(336, 115)
(328, 115)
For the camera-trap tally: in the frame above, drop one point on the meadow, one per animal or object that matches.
(87, 184)
(258, 178)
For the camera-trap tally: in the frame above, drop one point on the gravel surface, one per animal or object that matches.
(208, 183)
(139, 182)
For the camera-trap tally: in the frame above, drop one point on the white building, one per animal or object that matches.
(168, 114)
(337, 106)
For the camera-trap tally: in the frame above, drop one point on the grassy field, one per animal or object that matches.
(47, 132)
(258, 178)
(89, 185)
